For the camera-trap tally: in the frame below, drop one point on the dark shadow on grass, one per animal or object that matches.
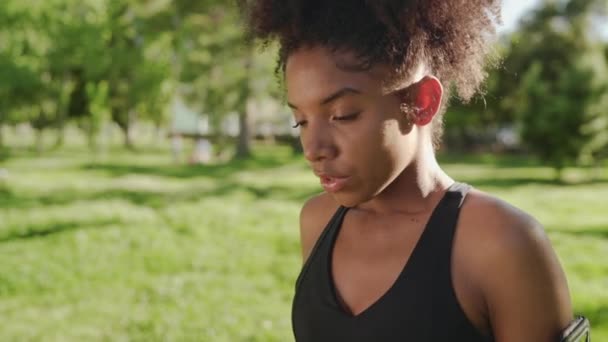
(276, 192)
(157, 200)
(509, 182)
(502, 161)
(42, 230)
(66, 197)
(219, 171)
(600, 232)
(498, 162)
(11, 199)
(514, 182)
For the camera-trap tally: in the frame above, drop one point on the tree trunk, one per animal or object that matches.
(39, 144)
(127, 136)
(596, 170)
(1, 130)
(60, 137)
(243, 149)
(559, 173)
(92, 137)
(60, 131)
(129, 131)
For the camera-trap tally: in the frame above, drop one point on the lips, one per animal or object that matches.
(332, 183)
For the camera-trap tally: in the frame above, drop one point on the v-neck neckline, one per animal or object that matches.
(343, 308)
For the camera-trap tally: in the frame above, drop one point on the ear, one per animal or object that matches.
(427, 94)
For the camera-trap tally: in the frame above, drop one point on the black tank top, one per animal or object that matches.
(420, 306)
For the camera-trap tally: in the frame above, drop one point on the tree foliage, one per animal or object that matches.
(57, 56)
(97, 61)
(560, 97)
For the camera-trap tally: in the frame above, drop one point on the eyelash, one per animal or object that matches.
(348, 117)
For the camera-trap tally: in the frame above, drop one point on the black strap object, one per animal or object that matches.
(579, 330)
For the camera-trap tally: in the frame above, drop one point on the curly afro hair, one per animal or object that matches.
(452, 38)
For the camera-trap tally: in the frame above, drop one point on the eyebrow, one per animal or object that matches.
(338, 94)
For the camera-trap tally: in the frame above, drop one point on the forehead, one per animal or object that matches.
(313, 73)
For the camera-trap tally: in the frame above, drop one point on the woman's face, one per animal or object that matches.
(354, 136)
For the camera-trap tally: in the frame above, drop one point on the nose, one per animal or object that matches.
(318, 144)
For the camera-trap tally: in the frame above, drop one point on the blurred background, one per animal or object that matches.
(150, 180)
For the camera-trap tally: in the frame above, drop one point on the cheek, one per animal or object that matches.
(394, 152)
(390, 134)
(382, 151)
(374, 158)
(389, 144)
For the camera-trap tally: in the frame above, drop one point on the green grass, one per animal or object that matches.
(127, 247)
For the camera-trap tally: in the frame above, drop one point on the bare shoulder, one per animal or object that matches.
(314, 216)
(513, 262)
(499, 229)
(498, 222)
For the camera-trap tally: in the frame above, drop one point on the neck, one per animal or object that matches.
(416, 190)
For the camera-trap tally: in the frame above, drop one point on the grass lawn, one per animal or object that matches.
(127, 247)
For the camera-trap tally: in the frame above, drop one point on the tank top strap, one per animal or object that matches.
(323, 242)
(444, 305)
(446, 221)
(435, 242)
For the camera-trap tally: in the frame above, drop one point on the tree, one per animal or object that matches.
(562, 84)
(214, 65)
(96, 60)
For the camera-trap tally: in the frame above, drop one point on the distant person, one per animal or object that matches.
(395, 249)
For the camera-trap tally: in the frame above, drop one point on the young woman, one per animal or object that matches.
(395, 249)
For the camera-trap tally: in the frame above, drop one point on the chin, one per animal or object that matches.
(349, 200)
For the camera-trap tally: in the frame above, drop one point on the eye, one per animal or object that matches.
(348, 117)
(300, 123)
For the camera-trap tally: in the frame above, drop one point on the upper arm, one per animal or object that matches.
(314, 216)
(524, 286)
